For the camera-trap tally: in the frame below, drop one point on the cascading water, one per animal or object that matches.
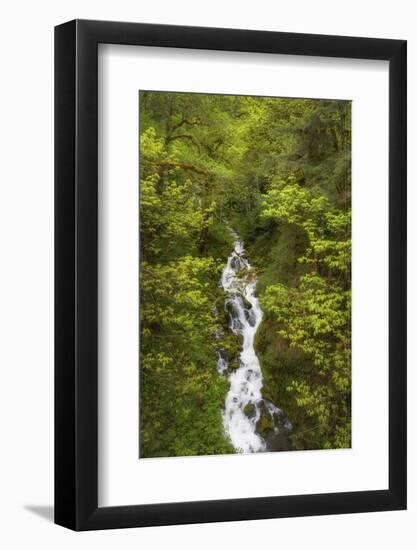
(244, 402)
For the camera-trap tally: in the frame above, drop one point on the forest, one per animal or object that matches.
(277, 171)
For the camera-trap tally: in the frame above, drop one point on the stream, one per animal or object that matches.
(244, 404)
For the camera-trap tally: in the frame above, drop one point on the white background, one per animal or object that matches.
(123, 479)
(27, 272)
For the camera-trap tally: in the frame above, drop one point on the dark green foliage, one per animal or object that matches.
(278, 171)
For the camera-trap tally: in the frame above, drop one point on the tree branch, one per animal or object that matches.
(182, 136)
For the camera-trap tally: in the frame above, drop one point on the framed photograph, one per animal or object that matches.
(230, 253)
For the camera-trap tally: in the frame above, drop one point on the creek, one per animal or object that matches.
(244, 404)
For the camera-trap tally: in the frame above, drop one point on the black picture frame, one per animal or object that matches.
(76, 272)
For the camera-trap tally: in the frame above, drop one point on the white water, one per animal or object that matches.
(246, 381)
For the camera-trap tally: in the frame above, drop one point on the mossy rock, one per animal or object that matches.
(234, 364)
(265, 425)
(231, 345)
(250, 410)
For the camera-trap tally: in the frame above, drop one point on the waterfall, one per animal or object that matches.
(244, 403)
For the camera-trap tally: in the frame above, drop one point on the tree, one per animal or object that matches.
(278, 171)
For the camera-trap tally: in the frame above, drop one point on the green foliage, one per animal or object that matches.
(181, 392)
(311, 312)
(278, 171)
(315, 318)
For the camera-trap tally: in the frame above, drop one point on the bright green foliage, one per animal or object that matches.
(278, 171)
(312, 314)
(315, 318)
(181, 392)
(170, 217)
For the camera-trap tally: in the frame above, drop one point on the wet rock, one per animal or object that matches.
(230, 307)
(250, 317)
(238, 263)
(273, 422)
(278, 442)
(236, 325)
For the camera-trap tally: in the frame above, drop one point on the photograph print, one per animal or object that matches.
(245, 274)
